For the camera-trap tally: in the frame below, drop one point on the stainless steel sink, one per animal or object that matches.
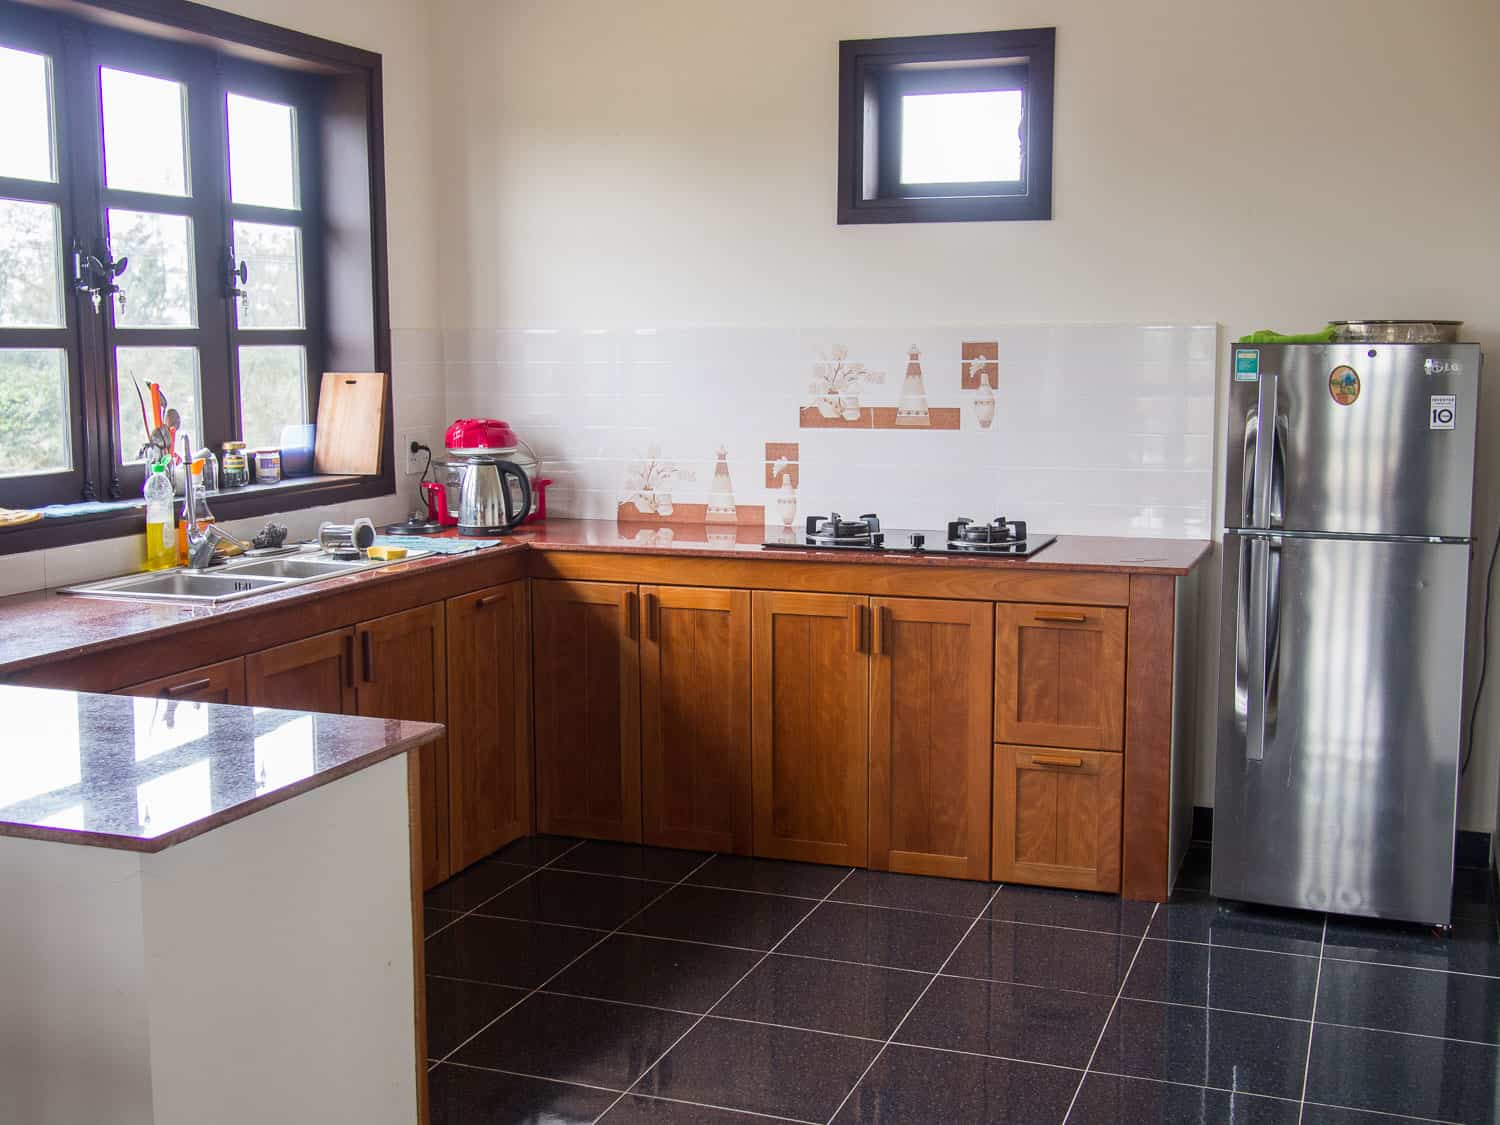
(242, 578)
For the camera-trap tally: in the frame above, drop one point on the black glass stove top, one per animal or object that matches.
(913, 542)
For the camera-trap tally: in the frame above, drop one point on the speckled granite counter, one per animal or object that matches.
(142, 774)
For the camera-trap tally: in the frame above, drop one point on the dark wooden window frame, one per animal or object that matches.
(337, 90)
(874, 74)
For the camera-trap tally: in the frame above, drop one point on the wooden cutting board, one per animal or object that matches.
(351, 419)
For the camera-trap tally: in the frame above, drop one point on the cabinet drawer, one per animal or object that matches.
(213, 683)
(1060, 676)
(1057, 817)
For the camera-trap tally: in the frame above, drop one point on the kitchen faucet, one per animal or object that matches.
(202, 543)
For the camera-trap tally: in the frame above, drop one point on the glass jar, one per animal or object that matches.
(234, 470)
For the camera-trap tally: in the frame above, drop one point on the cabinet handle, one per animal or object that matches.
(186, 688)
(880, 641)
(1068, 762)
(349, 659)
(857, 627)
(653, 613)
(1057, 615)
(367, 658)
(487, 601)
(632, 614)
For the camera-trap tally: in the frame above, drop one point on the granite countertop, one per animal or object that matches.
(143, 774)
(44, 626)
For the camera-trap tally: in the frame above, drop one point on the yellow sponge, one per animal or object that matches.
(387, 554)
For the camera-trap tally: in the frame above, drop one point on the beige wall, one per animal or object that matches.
(1260, 165)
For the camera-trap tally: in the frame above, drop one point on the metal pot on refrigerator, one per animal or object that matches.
(486, 506)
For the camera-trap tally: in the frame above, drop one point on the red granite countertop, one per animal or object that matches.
(39, 627)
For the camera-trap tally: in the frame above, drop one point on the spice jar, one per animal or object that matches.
(234, 470)
(267, 465)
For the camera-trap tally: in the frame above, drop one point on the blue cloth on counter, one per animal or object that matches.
(89, 508)
(432, 543)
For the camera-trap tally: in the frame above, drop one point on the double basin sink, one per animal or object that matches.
(230, 581)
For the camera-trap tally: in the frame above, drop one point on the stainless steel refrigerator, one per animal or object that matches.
(1349, 484)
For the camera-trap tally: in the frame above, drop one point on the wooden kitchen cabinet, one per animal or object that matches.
(1057, 817)
(930, 749)
(695, 718)
(586, 700)
(223, 682)
(810, 724)
(401, 674)
(1060, 676)
(489, 730)
(314, 674)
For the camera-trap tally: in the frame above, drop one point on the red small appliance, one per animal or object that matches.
(490, 437)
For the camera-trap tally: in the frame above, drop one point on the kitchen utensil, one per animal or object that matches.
(485, 505)
(490, 437)
(298, 446)
(435, 496)
(351, 420)
(346, 538)
(1397, 331)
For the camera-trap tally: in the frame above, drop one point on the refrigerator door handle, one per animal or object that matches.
(1271, 703)
(1247, 472)
(1264, 453)
(1257, 618)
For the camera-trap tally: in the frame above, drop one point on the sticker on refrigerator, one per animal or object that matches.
(1343, 385)
(1247, 365)
(1443, 412)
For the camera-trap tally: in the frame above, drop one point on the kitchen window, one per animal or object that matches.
(946, 128)
(162, 211)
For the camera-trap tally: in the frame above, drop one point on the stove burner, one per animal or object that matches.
(834, 529)
(997, 535)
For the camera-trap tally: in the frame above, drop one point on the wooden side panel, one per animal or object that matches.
(695, 718)
(1148, 739)
(930, 706)
(810, 712)
(402, 670)
(1057, 817)
(313, 674)
(586, 692)
(223, 682)
(1060, 676)
(489, 750)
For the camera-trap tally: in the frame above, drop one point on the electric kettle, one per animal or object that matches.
(485, 505)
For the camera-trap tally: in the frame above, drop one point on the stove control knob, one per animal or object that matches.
(918, 541)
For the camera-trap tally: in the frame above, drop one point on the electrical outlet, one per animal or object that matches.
(411, 444)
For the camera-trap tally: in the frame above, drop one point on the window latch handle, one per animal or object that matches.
(237, 274)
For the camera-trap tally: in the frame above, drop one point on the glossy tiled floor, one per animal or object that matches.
(582, 982)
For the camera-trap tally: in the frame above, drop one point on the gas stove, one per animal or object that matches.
(999, 537)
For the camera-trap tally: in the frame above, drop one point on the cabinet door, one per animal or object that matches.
(810, 723)
(401, 675)
(223, 682)
(1057, 818)
(930, 737)
(586, 710)
(489, 733)
(1060, 676)
(313, 674)
(695, 718)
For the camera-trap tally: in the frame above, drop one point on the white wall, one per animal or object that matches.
(1256, 165)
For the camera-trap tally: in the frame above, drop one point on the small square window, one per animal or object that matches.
(946, 128)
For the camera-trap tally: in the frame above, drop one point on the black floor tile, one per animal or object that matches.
(637, 1109)
(1110, 1100)
(576, 1040)
(1393, 998)
(502, 951)
(751, 921)
(769, 876)
(1041, 955)
(655, 971)
(1204, 919)
(456, 1009)
(535, 851)
(1244, 980)
(901, 939)
(962, 897)
(1470, 948)
(483, 881)
(1036, 1024)
(750, 1066)
(1204, 1047)
(1313, 1114)
(1390, 1073)
(434, 919)
(825, 996)
(909, 1084)
(460, 1095)
(1079, 910)
(574, 899)
(633, 860)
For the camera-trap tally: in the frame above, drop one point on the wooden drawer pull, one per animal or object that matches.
(187, 688)
(487, 601)
(653, 616)
(1057, 615)
(1056, 760)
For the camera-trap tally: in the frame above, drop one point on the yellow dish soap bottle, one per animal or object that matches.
(161, 531)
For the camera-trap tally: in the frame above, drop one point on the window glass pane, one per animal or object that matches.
(26, 149)
(273, 257)
(158, 282)
(31, 292)
(35, 436)
(961, 138)
(176, 369)
(273, 393)
(145, 132)
(262, 153)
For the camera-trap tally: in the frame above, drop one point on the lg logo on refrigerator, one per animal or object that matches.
(1443, 367)
(1442, 412)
